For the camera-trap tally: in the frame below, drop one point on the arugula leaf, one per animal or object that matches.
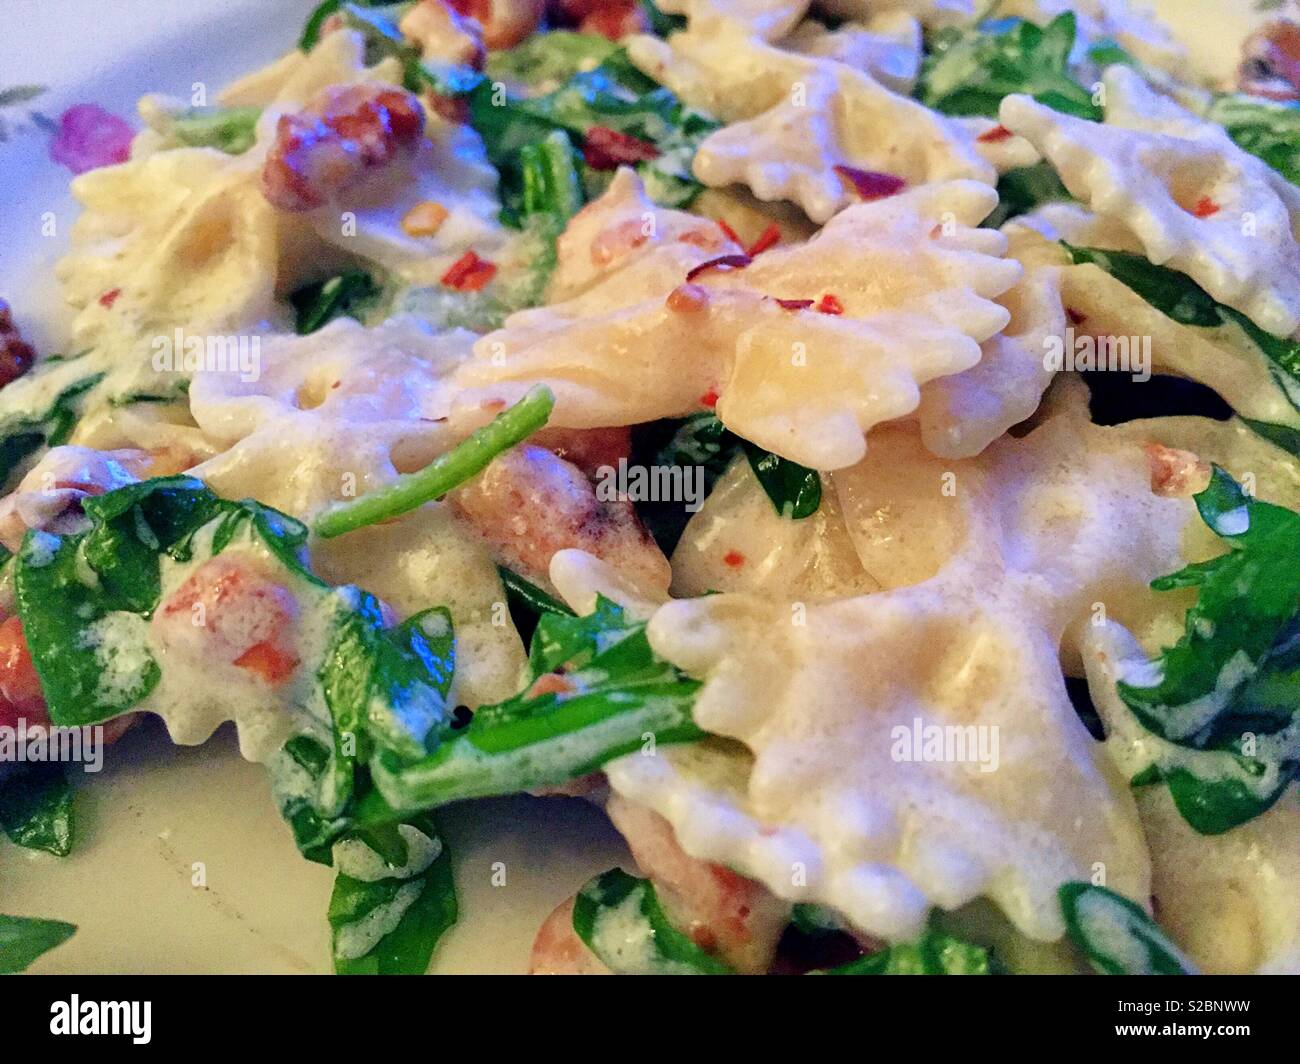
(36, 809)
(794, 490)
(1021, 190)
(352, 293)
(23, 432)
(547, 58)
(467, 459)
(1267, 129)
(969, 71)
(1116, 936)
(23, 939)
(615, 96)
(1178, 297)
(620, 920)
(85, 600)
(1227, 694)
(612, 696)
(661, 25)
(389, 925)
(229, 129)
(528, 602)
(934, 953)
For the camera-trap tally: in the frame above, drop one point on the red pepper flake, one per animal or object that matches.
(469, 273)
(1075, 317)
(109, 297)
(734, 559)
(795, 304)
(997, 133)
(766, 239)
(870, 184)
(730, 233)
(829, 304)
(607, 149)
(722, 262)
(1206, 208)
(710, 398)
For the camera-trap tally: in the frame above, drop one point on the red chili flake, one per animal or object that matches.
(995, 134)
(766, 239)
(730, 233)
(1075, 317)
(722, 262)
(829, 304)
(710, 398)
(1206, 208)
(109, 297)
(870, 184)
(795, 304)
(469, 273)
(607, 149)
(734, 558)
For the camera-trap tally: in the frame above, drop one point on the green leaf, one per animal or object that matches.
(36, 808)
(970, 71)
(1115, 935)
(934, 953)
(1020, 191)
(352, 294)
(661, 25)
(614, 95)
(1267, 129)
(794, 490)
(23, 939)
(547, 58)
(615, 696)
(24, 431)
(1227, 694)
(464, 461)
(620, 920)
(228, 129)
(418, 904)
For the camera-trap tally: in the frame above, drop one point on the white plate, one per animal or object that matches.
(182, 863)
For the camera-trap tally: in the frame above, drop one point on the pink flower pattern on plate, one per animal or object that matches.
(88, 137)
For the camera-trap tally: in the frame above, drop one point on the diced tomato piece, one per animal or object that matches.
(469, 273)
(608, 149)
(269, 661)
(997, 133)
(20, 687)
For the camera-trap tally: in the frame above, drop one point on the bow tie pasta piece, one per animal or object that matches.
(338, 58)
(1195, 201)
(829, 804)
(796, 118)
(1107, 311)
(765, 19)
(621, 228)
(962, 414)
(1232, 901)
(913, 285)
(887, 46)
(360, 405)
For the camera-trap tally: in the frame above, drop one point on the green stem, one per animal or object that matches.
(467, 459)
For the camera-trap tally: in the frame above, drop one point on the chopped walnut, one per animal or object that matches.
(16, 354)
(345, 132)
(444, 34)
(1175, 473)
